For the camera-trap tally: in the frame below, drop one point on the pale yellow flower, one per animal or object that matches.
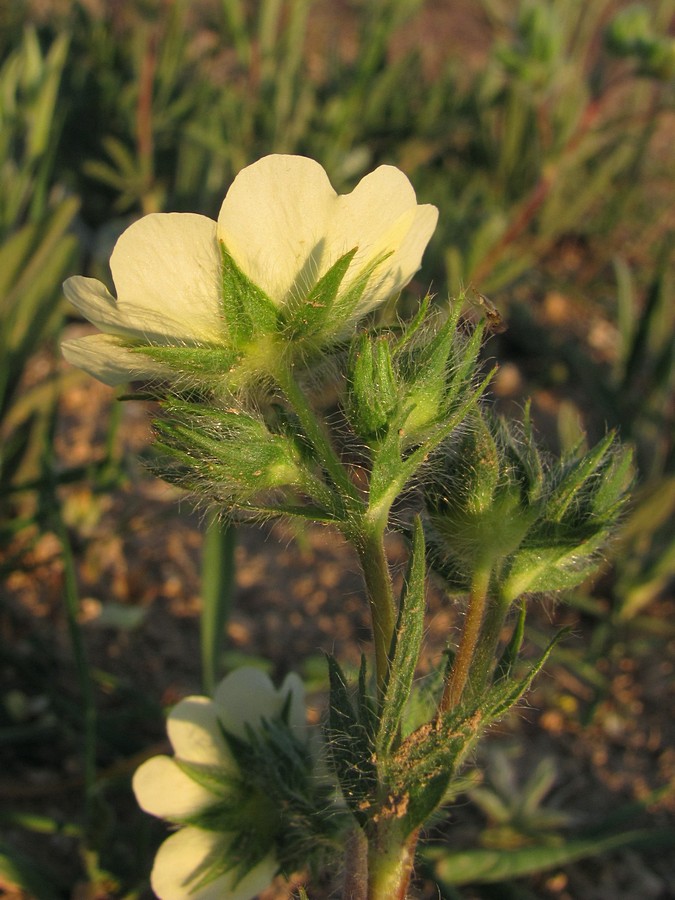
(283, 225)
(164, 789)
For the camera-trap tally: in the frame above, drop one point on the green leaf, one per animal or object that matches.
(406, 647)
(506, 694)
(490, 866)
(350, 745)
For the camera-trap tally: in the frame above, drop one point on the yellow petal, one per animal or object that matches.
(180, 856)
(105, 357)
(195, 734)
(167, 273)
(163, 789)
(274, 221)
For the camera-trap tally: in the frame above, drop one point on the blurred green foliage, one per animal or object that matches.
(549, 133)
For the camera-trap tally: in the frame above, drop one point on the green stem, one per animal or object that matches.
(218, 568)
(316, 433)
(486, 648)
(370, 548)
(390, 863)
(459, 675)
(355, 872)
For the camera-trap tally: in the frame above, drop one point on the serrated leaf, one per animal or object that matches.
(350, 746)
(506, 694)
(406, 646)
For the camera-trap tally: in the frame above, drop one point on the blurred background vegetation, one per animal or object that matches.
(544, 132)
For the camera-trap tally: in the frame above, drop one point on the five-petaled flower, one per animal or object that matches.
(204, 790)
(281, 230)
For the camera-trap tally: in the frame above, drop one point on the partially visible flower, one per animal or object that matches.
(287, 256)
(224, 847)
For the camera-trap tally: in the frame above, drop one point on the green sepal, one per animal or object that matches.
(437, 375)
(615, 477)
(567, 500)
(542, 569)
(351, 746)
(247, 309)
(411, 328)
(226, 449)
(406, 647)
(214, 778)
(198, 363)
(393, 468)
(305, 316)
(345, 306)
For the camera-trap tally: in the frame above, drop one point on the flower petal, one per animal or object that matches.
(163, 789)
(179, 858)
(195, 734)
(167, 273)
(297, 716)
(96, 303)
(364, 216)
(247, 695)
(408, 238)
(274, 221)
(105, 357)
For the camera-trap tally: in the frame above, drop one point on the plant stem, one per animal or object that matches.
(316, 433)
(218, 569)
(486, 648)
(370, 548)
(459, 675)
(390, 863)
(355, 882)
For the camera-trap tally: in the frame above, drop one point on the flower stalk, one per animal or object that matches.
(370, 548)
(459, 674)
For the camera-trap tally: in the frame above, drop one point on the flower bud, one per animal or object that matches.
(225, 454)
(495, 505)
(373, 390)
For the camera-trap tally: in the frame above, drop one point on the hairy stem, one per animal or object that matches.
(459, 674)
(316, 433)
(370, 548)
(390, 863)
